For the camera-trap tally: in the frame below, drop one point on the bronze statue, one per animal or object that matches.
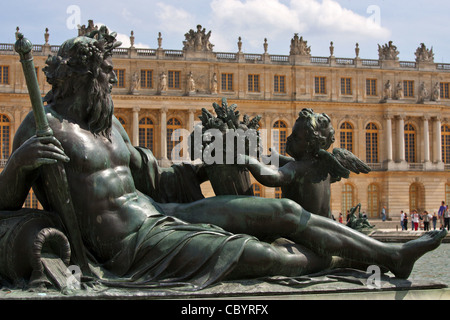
(145, 225)
(306, 176)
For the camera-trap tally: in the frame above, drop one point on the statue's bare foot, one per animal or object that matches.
(411, 251)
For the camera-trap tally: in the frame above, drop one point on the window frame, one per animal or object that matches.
(120, 75)
(371, 87)
(346, 86)
(320, 85)
(253, 83)
(146, 79)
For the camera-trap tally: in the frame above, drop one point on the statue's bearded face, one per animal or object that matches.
(100, 106)
(82, 77)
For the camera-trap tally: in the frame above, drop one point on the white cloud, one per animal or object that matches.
(256, 19)
(174, 20)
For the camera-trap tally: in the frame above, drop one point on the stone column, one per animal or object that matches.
(389, 156)
(426, 140)
(163, 120)
(437, 143)
(401, 139)
(135, 124)
(191, 121)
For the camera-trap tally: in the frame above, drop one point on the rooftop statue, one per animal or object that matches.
(147, 226)
(423, 54)
(299, 46)
(388, 51)
(198, 40)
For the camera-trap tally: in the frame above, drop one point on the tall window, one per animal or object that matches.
(346, 86)
(146, 133)
(279, 84)
(373, 202)
(227, 82)
(5, 135)
(120, 74)
(279, 136)
(253, 82)
(174, 79)
(445, 90)
(371, 143)
(346, 136)
(347, 197)
(410, 143)
(257, 189)
(4, 74)
(31, 201)
(146, 79)
(278, 193)
(320, 85)
(123, 123)
(445, 138)
(371, 87)
(408, 88)
(414, 197)
(172, 125)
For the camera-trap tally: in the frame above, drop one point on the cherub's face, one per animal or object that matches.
(297, 143)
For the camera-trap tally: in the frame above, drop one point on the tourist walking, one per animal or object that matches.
(434, 220)
(402, 218)
(412, 220)
(405, 221)
(441, 212)
(447, 219)
(426, 220)
(341, 219)
(415, 220)
(383, 214)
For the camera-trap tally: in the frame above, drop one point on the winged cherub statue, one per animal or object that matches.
(306, 176)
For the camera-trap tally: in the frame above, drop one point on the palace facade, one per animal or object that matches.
(392, 114)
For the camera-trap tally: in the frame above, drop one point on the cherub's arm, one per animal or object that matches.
(276, 177)
(282, 160)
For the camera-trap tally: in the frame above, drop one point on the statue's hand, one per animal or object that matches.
(37, 151)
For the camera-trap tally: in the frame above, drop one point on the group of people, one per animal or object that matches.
(429, 220)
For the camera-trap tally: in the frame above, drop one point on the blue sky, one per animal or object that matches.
(345, 22)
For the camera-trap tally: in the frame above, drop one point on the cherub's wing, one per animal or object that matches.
(349, 161)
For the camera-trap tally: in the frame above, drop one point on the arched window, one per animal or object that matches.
(347, 197)
(257, 189)
(146, 133)
(278, 193)
(123, 123)
(371, 143)
(5, 138)
(410, 143)
(279, 136)
(373, 201)
(172, 125)
(445, 137)
(346, 136)
(31, 201)
(414, 197)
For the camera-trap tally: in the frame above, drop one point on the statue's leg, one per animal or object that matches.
(263, 218)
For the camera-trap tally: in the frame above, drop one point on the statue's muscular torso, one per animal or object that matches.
(108, 206)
